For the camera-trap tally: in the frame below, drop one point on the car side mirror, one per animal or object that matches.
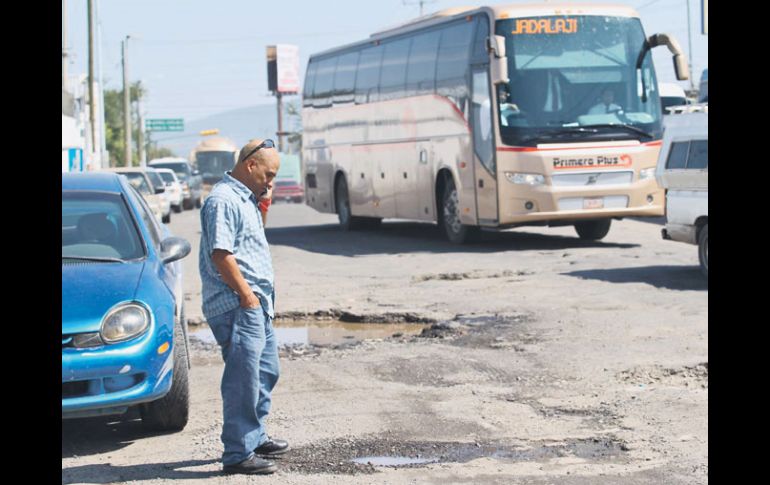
(196, 172)
(173, 249)
(160, 190)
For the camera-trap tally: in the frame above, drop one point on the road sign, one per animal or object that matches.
(173, 124)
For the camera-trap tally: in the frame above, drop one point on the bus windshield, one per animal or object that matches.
(214, 164)
(576, 77)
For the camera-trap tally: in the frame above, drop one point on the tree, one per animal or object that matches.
(114, 134)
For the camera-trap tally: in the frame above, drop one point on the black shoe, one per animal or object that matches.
(272, 447)
(249, 466)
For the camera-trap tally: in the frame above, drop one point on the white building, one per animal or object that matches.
(78, 151)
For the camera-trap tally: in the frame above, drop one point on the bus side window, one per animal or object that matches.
(345, 78)
(421, 72)
(452, 62)
(307, 93)
(368, 77)
(393, 74)
(324, 82)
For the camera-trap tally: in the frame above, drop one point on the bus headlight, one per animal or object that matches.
(647, 173)
(124, 322)
(525, 178)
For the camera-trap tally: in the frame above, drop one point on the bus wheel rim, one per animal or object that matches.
(451, 215)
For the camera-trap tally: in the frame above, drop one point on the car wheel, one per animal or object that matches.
(166, 219)
(171, 412)
(456, 232)
(593, 230)
(187, 204)
(199, 202)
(177, 208)
(703, 250)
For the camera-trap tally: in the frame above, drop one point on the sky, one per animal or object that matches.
(197, 58)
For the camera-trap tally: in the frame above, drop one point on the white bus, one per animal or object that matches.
(491, 117)
(212, 157)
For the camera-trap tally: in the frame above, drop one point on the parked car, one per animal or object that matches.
(683, 171)
(124, 332)
(173, 188)
(157, 182)
(143, 184)
(288, 190)
(189, 177)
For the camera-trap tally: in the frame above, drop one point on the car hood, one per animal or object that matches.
(88, 290)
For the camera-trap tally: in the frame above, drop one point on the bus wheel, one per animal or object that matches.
(593, 230)
(456, 231)
(703, 250)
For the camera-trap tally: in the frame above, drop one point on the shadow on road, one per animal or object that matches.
(409, 237)
(88, 436)
(108, 473)
(668, 277)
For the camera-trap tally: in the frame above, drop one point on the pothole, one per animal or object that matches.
(361, 456)
(321, 333)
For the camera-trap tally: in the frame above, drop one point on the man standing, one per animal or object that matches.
(237, 276)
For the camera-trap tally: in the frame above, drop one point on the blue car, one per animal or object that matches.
(124, 333)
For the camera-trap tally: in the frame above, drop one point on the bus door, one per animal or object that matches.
(484, 162)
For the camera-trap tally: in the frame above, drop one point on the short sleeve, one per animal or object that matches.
(220, 219)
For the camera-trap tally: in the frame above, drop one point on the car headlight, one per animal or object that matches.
(124, 322)
(647, 173)
(525, 178)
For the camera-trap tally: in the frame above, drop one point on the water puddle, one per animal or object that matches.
(392, 460)
(324, 332)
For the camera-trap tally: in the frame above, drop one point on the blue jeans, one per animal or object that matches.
(250, 352)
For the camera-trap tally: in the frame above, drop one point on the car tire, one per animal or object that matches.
(171, 412)
(199, 202)
(187, 204)
(177, 208)
(703, 250)
(166, 219)
(456, 232)
(593, 230)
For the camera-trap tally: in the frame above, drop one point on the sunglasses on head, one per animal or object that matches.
(265, 144)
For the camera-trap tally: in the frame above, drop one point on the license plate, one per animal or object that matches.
(593, 203)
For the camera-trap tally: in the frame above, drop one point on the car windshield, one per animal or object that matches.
(98, 227)
(577, 71)
(181, 169)
(139, 182)
(155, 178)
(214, 164)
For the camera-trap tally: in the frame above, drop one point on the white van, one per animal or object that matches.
(682, 171)
(671, 94)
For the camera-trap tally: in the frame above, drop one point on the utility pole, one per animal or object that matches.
(280, 121)
(91, 98)
(63, 45)
(102, 126)
(140, 141)
(126, 106)
(689, 40)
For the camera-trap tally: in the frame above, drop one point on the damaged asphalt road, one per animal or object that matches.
(522, 369)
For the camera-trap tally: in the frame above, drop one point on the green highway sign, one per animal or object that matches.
(173, 124)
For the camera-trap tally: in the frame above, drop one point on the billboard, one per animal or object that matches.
(283, 68)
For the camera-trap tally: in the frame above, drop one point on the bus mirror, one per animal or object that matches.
(680, 68)
(499, 70)
(680, 65)
(496, 44)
